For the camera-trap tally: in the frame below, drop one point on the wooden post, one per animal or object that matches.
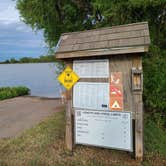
(138, 108)
(69, 137)
(138, 126)
(69, 119)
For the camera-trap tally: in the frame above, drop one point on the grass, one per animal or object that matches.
(10, 92)
(154, 137)
(44, 145)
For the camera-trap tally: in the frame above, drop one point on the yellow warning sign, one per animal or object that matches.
(68, 78)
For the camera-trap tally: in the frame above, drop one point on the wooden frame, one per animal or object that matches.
(133, 100)
(123, 46)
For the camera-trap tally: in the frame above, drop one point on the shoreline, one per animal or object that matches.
(42, 97)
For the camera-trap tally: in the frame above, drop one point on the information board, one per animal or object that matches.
(104, 129)
(92, 68)
(88, 95)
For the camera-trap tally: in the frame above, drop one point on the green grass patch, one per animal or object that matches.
(44, 145)
(154, 137)
(10, 92)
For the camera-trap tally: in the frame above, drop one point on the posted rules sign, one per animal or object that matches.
(104, 129)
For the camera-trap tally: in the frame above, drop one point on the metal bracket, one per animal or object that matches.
(137, 79)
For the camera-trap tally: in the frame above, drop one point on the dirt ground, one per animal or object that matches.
(21, 113)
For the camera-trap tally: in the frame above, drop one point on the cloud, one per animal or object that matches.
(8, 12)
(16, 38)
(19, 33)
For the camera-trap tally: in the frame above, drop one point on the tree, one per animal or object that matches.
(53, 16)
(57, 16)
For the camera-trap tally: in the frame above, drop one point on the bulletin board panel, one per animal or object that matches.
(92, 68)
(88, 95)
(104, 129)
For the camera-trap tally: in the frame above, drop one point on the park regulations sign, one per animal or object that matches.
(68, 78)
(104, 129)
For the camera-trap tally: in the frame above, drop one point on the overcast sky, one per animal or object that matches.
(17, 39)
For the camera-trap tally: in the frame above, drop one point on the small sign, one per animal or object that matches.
(68, 78)
(116, 92)
(116, 104)
(116, 78)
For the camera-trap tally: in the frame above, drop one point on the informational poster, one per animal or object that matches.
(104, 129)
(92, 68)
(116, 92)
(88, 95)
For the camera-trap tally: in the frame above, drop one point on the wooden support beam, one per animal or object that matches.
(138, 108)
(101, 52)
(138, 126)
(69, 116)
(69, 137)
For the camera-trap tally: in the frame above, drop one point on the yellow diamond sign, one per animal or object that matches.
(68, 78)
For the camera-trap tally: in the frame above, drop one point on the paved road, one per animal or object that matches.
(22, 113)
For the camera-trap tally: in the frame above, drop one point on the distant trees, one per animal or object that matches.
(41, 59)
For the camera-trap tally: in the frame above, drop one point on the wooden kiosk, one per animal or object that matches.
(103, 58)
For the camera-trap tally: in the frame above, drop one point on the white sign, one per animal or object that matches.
(104, 129)
(91, 95)
(92, 68)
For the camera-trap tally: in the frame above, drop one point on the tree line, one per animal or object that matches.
(41, 59)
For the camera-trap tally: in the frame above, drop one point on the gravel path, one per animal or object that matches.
(21, 113)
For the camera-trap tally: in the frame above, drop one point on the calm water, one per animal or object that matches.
(39, 77)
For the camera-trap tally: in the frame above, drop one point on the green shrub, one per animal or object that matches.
(154, 64)
(154, 137)
(10, 92)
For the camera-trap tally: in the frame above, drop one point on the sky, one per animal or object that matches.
(16, 38)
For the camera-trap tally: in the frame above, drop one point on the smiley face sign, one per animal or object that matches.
(68, 78)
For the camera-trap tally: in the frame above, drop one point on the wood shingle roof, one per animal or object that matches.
(121, 39)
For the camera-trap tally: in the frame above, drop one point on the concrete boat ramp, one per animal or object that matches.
(21, 113)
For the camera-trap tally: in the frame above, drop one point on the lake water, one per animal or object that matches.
(39, 77)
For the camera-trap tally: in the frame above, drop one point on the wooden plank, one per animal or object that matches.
(102, 31)
(106, 37)
(100, 80)
(138, 107)
(69, 116)
(126, 42)
(65, 48)
(105, 44)
(102, 52)
(138, 127)
(69, 135)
